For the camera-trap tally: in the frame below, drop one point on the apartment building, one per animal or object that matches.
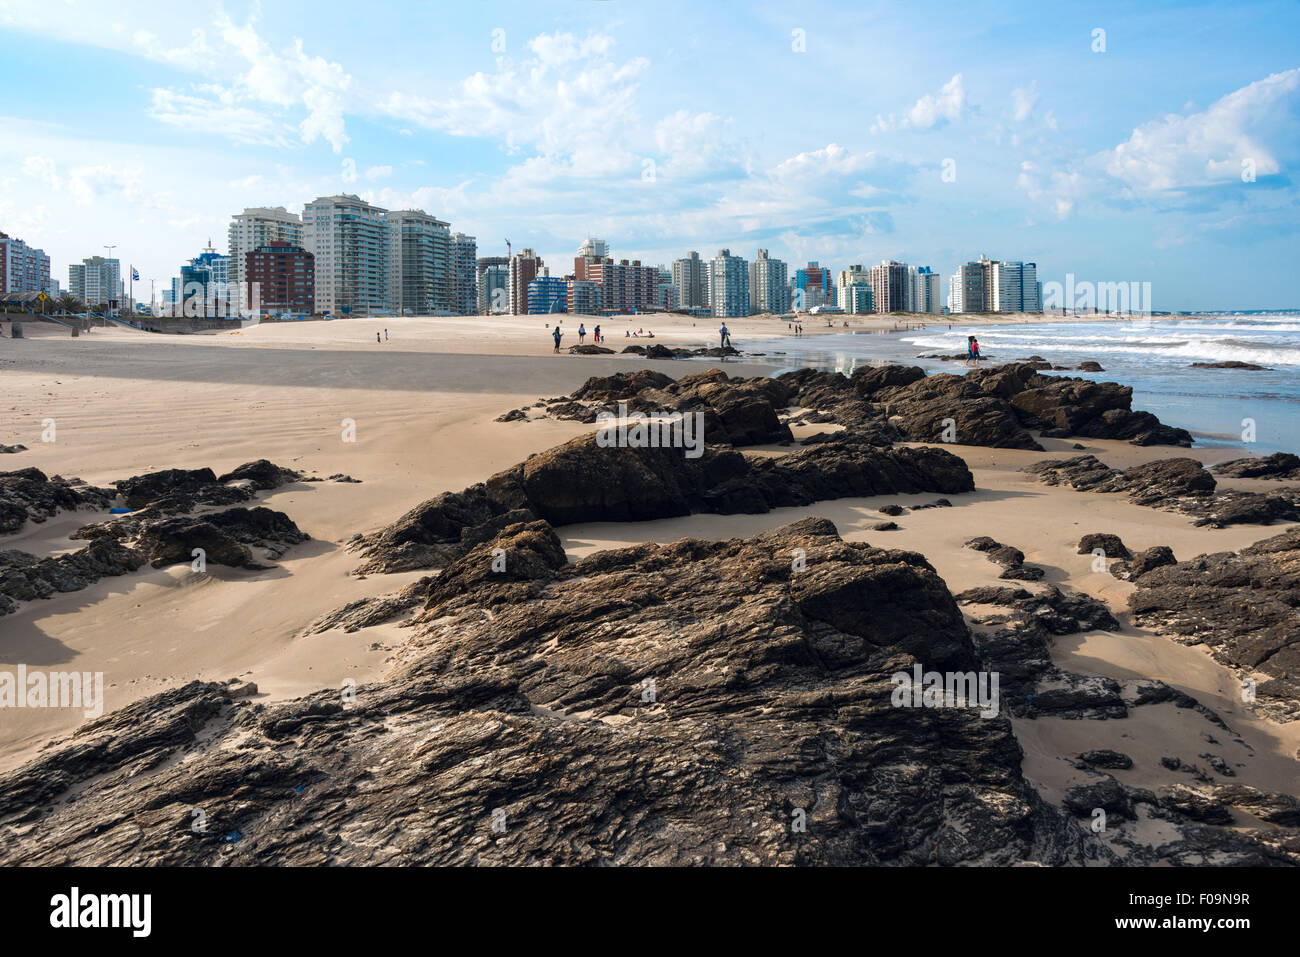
(351, 241)
(279, 278)
(889, 286)
(923, 290)
(492, 280)
(690, 276)
(464, 274)
(547, 294)
(23, 268)
(1015, 287)
(525, 266)
(729, 285)
(584, 297)
(259, 226)
(768, 288)
(812, 287)
(96, 280)
(419, 272)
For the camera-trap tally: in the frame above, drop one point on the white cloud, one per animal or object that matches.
(379, 172)
(1257, 122)
(932, 110)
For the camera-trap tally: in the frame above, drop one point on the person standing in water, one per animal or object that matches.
(724, 336)
(557, 334)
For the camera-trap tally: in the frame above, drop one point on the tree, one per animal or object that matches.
(68, 303)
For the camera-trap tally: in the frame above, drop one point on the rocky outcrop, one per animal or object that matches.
(1010, 558)
(693, 703)
(1112, 546)
(11, 449)
(1280, 466)
(26, 577)
(29, 495)
(1176, 485)
(1142, 562)
(1244, 607)
(583, 482)
(1231, 364)
(993, 407)
(734, 411)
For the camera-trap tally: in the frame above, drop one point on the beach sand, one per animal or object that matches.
(424, 405)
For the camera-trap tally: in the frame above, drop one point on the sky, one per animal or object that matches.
(1120, 142)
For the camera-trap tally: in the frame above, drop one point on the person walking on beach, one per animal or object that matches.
(595, 335)
(724, 336)
(975, 350)
(378, 340)
(385, 335)
(582, 333)
(557, 334)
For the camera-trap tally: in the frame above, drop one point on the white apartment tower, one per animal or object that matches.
(768, 291)
(260, 226)
(351, 241)
(419, 271)
(728, 285)
(690, 276)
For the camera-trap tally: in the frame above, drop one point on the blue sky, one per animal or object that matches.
(816, 130)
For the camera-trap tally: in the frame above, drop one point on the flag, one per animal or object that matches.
(135, 276)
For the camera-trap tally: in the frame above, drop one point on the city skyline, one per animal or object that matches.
(1136, 161)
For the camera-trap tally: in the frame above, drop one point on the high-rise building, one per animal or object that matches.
(259, 226)
(96, 281)
(351, 240)
(848, 290)
(768, 291)
(493, 283)
(889, 286)
(812, 287)
(419, 270)
(205, 281)
(584, 297)
(525, 266)
(690, 276)
(1015, 287)
(23, 268)
(923, 290)
(971, 287)
(464, 274)
(729, 285)
(548, 294)
(279, 278)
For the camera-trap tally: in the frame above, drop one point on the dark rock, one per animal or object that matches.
(1107, 794)
(1231, 364)
(1090, 366)
(705, 681)
(225, 537)
(1111, 546)
(514, 415)
(25, 577)
(29, 495)
(891, 510)
(582, 482)
(1282, 466)
(1106, 758)
(590, 350)
(885, 527)
(262, 475)
(1244, 607)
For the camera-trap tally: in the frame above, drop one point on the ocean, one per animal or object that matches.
(1154, 356)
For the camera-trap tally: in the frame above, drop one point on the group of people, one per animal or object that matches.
(972, 351)
(797, 327)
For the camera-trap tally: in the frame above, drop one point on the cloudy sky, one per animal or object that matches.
(1117, 141)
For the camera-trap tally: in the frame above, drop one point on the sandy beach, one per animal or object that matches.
(424, 405)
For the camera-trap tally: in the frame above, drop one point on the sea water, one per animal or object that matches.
(1153, 355)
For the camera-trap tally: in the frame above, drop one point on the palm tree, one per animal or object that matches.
(68, 303)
